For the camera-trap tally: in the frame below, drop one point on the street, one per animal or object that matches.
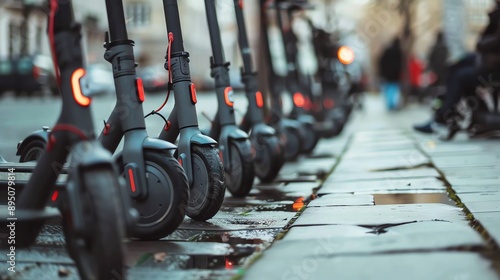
(378, 201)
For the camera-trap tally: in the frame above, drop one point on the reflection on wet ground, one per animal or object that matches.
(412, 198)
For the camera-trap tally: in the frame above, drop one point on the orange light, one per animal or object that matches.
(298, 99)
(131, 179)
(55, 194)
(192, 88)
(346, 55)
(81, 99)
(140, 89)
(259, 99)
(228, 96)
(328, 103)
(298, 204)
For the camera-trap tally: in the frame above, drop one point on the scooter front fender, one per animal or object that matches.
(42, 135)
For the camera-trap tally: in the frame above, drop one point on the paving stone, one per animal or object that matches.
(406, 237)
(380, 214)
(491, 222)
(475, 189)
(408, 266)
(384, 146)
(477, 159)
(309, 166)
(223, 221)
(440, 148)
(383, 186)
(342, 200)
(295, 189)
(478, 197)
(483, 206)
(355, 154)
(383, 175)
(380, 164)
(472, 181)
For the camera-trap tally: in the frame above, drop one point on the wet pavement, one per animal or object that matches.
(377, 202)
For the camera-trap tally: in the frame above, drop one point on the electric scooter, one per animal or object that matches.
(155, 180)
(269, 154)
(196, 153)
(292, 138)
(234, 144)
(335, 106)
(92, 203)
(301, 99)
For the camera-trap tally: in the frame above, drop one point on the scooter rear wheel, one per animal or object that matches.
(168, 192)
(207, 190)
(100, 253)
(293, 144)
(269, 157)
(239, 179)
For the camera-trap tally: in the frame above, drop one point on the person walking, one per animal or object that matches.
(390, 67)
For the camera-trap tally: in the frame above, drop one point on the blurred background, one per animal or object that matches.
(368, 26)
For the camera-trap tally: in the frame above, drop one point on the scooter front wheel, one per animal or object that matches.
(164, 208)
(310, 137)
(269, 157)
(99, 254)
(32, 151)
(239, 179)
(207, 190)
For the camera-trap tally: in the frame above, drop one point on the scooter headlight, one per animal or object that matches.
(345, 55)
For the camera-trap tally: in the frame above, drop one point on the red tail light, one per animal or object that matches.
(36, 72)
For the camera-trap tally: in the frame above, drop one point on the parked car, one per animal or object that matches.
(98, 80)
(154, 78)
(28, 74)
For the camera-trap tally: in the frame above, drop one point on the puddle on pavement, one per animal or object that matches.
(289, 204)
(412, 198)
(243, 243)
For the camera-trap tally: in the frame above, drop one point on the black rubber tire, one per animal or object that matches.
(293, 144)
(168, 191)
(101, 254)
(269, 157)
(239, 180)
(32, 151)
(310, 137)
(207, 190)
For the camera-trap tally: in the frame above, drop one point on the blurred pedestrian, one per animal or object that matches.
(390, 66)
(437, 60)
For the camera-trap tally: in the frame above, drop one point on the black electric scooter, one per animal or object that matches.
(196, 152)
(334, 99)
(155, 179)
(290, 130)
(234, 144)
(91, 200)
(269, 154)
(302, 102)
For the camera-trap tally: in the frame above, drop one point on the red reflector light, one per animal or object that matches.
(241, 4)
(328, 103)
(140, 89)
(55, 194)
(298, 99)
(131, 179)
(192, 89)
(228, 96)
(259, 99)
